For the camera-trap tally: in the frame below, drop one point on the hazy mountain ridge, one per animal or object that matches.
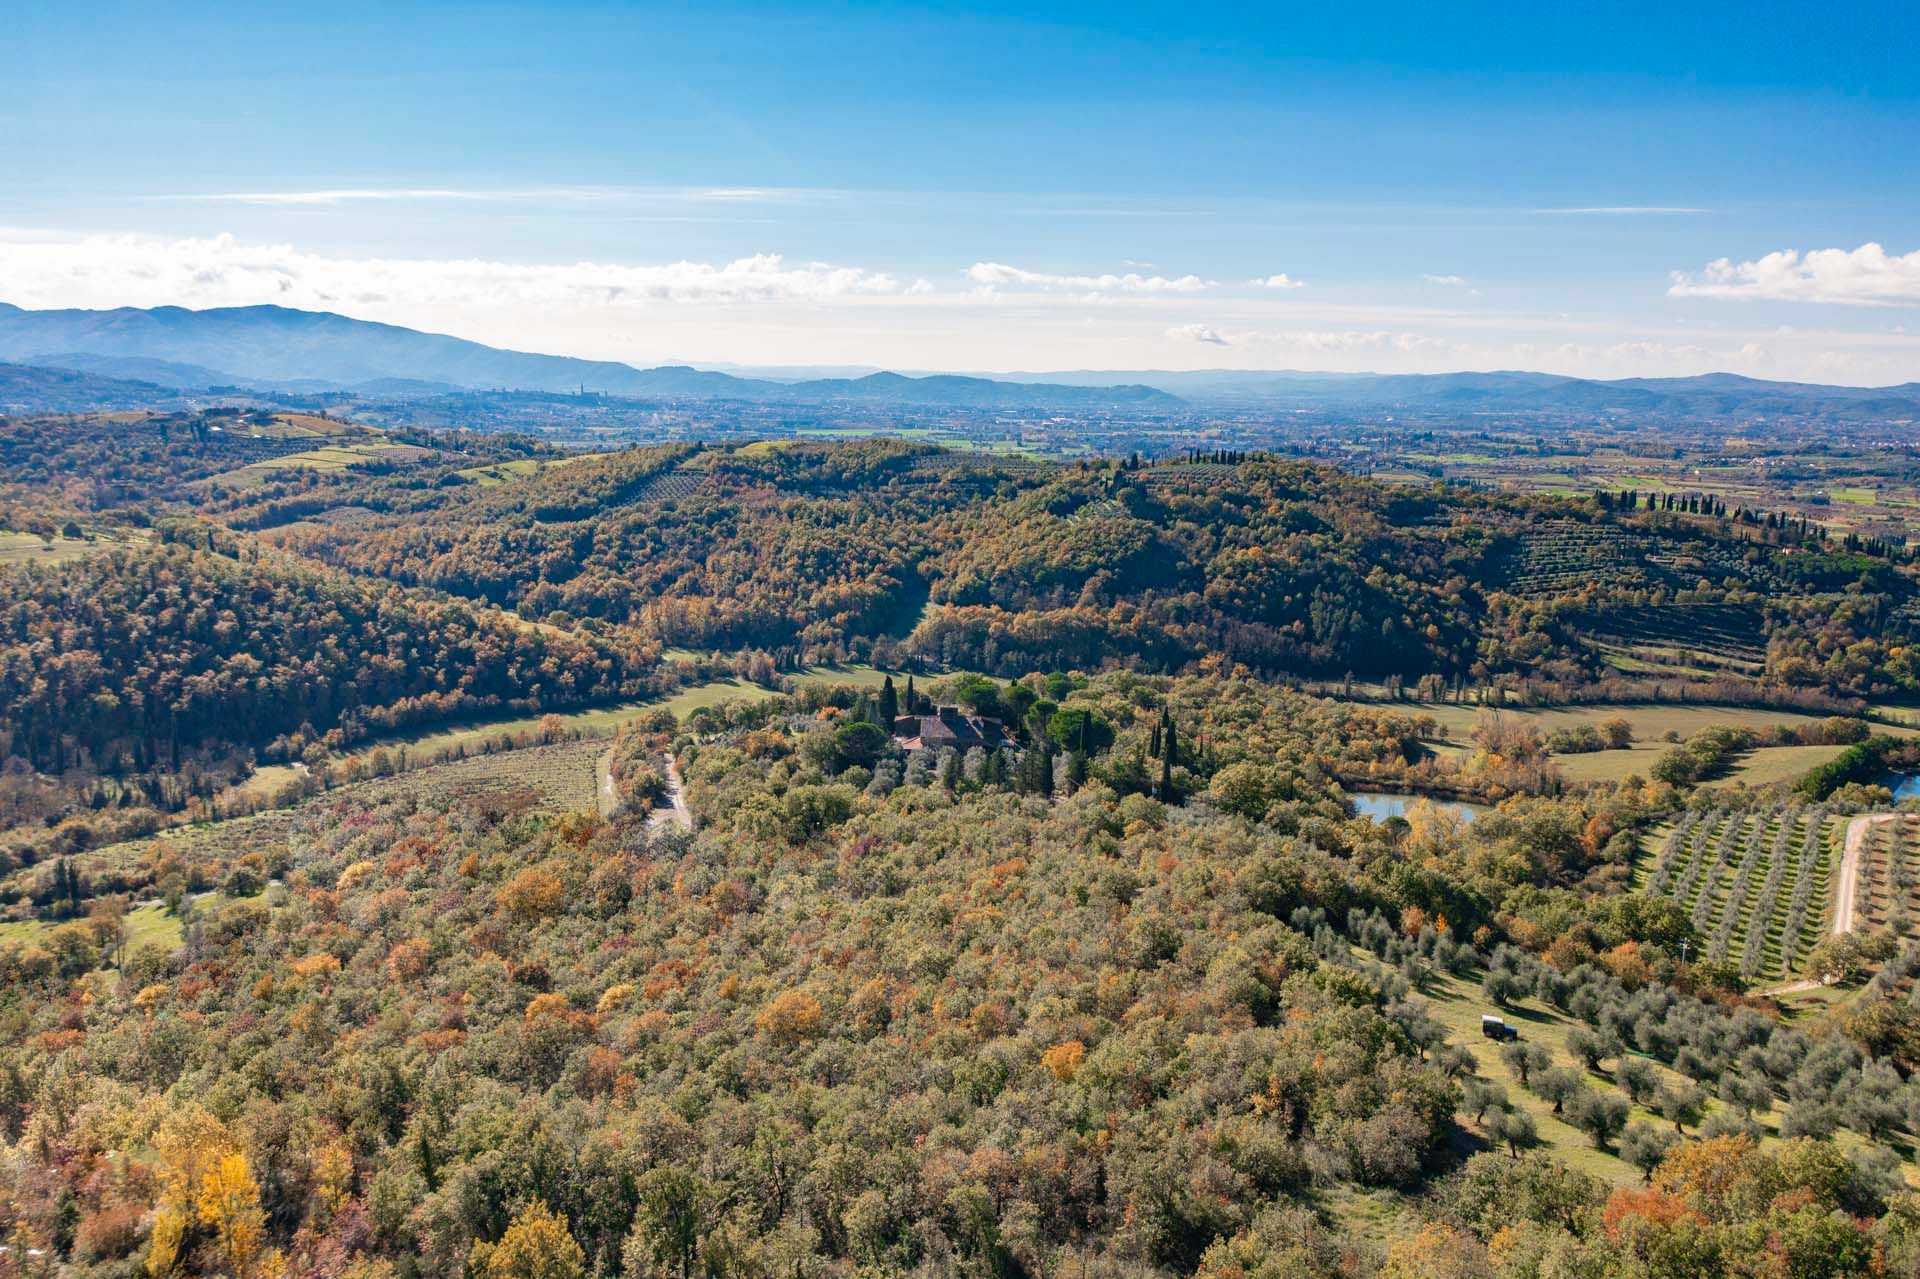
(311, 350)
(270, 347)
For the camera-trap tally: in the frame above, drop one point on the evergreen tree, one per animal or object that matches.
(889, 703)
(1169, 751)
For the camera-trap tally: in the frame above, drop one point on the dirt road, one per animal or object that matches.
(609, 797)
(1845, 893)
(674, 811)
(1848, 890)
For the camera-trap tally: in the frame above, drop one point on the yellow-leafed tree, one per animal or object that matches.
(536, 1246)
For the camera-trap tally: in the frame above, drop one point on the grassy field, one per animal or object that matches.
(1651, 724)
(503, 472)
(858, 674)
(1763, 766)
(600, 721)
(327, 457)
(31, 548)
(149, 925)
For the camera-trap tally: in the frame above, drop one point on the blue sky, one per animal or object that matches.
(1625, 190)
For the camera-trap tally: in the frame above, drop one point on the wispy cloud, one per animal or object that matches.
(1204, 333)
(998, 275)
(1866, 276)
(325, 196)
(223, 271)
(1450, 281)
(1626, 210)
(1344, 341)
(1280, 281)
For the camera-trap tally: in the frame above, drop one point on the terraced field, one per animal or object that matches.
(1559, 554)
(1757, 882)
(1706, 639)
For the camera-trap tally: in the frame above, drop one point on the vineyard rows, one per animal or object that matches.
(669, 486)
(1755, 883)
(1557, 554)
(1564, 553)
(1107, 508)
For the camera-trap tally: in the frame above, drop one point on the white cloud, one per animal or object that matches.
(1452, 281)
(1205, 333)
(998, 275)
(1866, 276)
(1341, 341)
(128, 270)
(1280, 281)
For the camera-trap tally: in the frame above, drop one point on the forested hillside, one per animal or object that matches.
(1285, 567)
(143, 677)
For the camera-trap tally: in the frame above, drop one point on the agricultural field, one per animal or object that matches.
(1700, 640)
(329, 457)
(1458, 1003)
(600, 721)
(1861, 490)
(1656, 726)
(310, 425)
(1758, 883)
(31, 548)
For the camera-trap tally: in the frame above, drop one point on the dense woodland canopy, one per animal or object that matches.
(1285, 567)
(939, 1024)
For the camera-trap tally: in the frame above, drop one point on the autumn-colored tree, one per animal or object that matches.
(206, 1185)
(537, 1245)
(1063, 1060)
(1437, 1251)
(790, 1016)
(533, 893)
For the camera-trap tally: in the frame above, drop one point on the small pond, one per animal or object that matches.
(1380, 805)
(1903, 785)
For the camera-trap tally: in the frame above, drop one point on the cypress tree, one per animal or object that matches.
(889, 704)
(1170, 747)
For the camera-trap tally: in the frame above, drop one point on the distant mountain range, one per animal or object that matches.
(274, 348)
(1706, 395)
